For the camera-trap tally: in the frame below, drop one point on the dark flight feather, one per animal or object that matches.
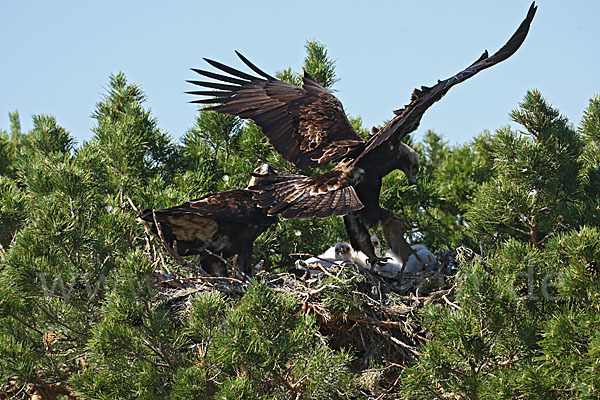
(220, 77)
(292, 195)
(229, 70)
(306, 125)
(254, 67)
(408, 118)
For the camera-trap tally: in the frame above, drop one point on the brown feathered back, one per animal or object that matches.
(225, 223)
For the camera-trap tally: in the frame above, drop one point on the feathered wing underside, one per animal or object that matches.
(408, 118)
(306, 125)
(318, 196)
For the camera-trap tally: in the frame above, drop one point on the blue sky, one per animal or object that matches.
(57, 56)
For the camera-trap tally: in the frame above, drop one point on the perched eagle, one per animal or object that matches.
(308, 127)
(224, 223)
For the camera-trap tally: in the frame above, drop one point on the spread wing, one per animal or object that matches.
(306, 125)
(315, 196)
(408, 118)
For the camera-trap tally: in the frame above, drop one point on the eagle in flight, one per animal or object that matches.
(308, 127)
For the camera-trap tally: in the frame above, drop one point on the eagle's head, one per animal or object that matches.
(409, 162)
(343, 252)
(260, 173)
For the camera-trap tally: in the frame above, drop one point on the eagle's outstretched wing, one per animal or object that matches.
(408, 118)
(306, 125)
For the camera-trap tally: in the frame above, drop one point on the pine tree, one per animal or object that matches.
(536, 190)
(50, 276)
(317, 63)
(590, 158)
(89, 304)
(524, 323)
(126, 135)
(80, 309)
(9, 145)
(436, 206)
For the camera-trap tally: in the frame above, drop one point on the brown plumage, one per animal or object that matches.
(316, 196)
(308, 127)
(225, 223)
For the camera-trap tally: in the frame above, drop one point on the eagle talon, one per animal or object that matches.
(378, 260)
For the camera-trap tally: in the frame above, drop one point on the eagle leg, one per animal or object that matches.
(213, 265)
(243, 260)
(393, 227)
(360, 238)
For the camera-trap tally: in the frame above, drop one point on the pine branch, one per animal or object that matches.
(223, 260)
(55, 318)
(454, 305)
(7, 311)
(160, 353)
(146, 359)
(400, 345)
(171, 250)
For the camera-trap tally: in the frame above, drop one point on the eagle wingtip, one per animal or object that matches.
(253, 67)
(531, 12)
